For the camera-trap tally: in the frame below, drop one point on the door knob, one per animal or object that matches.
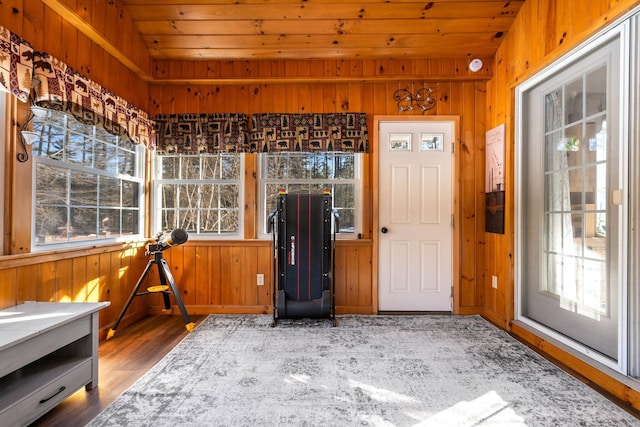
(384, 230)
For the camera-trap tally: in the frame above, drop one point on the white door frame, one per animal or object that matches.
(456, 200)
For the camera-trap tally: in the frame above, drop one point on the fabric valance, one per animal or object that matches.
(202, 133)
(62, 88)
(338, 132)
(16, 64)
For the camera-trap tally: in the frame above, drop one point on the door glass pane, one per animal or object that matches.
(573, 173)
(596, 91)
(553, 110)
(569, 243)
(573, 101)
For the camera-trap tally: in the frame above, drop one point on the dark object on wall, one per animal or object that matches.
(494, 217)
(304, 252)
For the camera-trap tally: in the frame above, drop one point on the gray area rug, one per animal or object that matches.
(367, 371)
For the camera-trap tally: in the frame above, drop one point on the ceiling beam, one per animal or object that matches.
(62, 8)
(70, 15)
(312, 80)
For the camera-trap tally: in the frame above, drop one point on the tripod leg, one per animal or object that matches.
(163, 282)
(112, 331)
(174, 288)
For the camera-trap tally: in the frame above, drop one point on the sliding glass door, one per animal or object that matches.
(571, 200)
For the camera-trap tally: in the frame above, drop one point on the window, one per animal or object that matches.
(314, 173)
(88, 183)
(199, 193)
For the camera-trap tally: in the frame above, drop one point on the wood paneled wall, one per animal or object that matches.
(249, 87)
(47, 31)
(86, 275)
(220, 277)
(543, 31)
(456, 96)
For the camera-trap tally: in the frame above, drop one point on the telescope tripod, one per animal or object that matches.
(166, 283)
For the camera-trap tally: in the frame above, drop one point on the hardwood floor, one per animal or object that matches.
(122, 360)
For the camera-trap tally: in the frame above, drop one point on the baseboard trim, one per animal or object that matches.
(626, 389)
(245, 309)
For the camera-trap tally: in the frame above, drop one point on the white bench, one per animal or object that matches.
(48, 350)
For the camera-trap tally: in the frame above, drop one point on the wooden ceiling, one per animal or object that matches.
(320, 29)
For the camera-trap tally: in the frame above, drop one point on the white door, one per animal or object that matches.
(415, 216)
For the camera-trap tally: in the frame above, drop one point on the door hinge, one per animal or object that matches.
(453, 219)
(451, 291)
(453, 147)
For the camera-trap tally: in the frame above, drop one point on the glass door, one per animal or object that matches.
(571, 199)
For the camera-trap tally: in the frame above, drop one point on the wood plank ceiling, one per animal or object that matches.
(320, 29)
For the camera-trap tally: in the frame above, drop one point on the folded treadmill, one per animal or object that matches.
(303, 227)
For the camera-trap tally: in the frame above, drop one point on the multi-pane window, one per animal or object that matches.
(88, 182)
(314, 173)
(199, 193)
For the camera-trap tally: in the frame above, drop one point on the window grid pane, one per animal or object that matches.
(85, 179)
(201, 194)
(312, 173)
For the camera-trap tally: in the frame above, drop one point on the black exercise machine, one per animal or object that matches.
(303, 227)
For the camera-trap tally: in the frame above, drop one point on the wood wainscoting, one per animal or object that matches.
(220, 277)
(104, 273)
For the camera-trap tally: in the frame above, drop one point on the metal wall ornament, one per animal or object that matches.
(421, 99)
(26, 136)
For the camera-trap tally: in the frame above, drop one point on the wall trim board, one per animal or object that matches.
(20, 260)
(622, 387)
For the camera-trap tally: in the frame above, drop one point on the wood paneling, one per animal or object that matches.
(399, 72)
(320, 29)
(523, 52)
(91, 275)
(220, 277)
(466, 99)
(543, 31)
(84, 41)
(100, 39)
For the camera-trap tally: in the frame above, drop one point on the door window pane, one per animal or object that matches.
(571, 189)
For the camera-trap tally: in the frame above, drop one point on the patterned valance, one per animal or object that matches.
(341, 132)
(202, 133)
(16, 64)
(62, 88)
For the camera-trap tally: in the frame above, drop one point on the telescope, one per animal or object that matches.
(164, 240)
(168, 239)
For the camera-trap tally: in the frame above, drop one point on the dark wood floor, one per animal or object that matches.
(123, 359)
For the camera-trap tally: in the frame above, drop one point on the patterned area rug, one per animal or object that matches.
(367, 371)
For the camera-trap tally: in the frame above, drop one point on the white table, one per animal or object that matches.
(48, 350)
